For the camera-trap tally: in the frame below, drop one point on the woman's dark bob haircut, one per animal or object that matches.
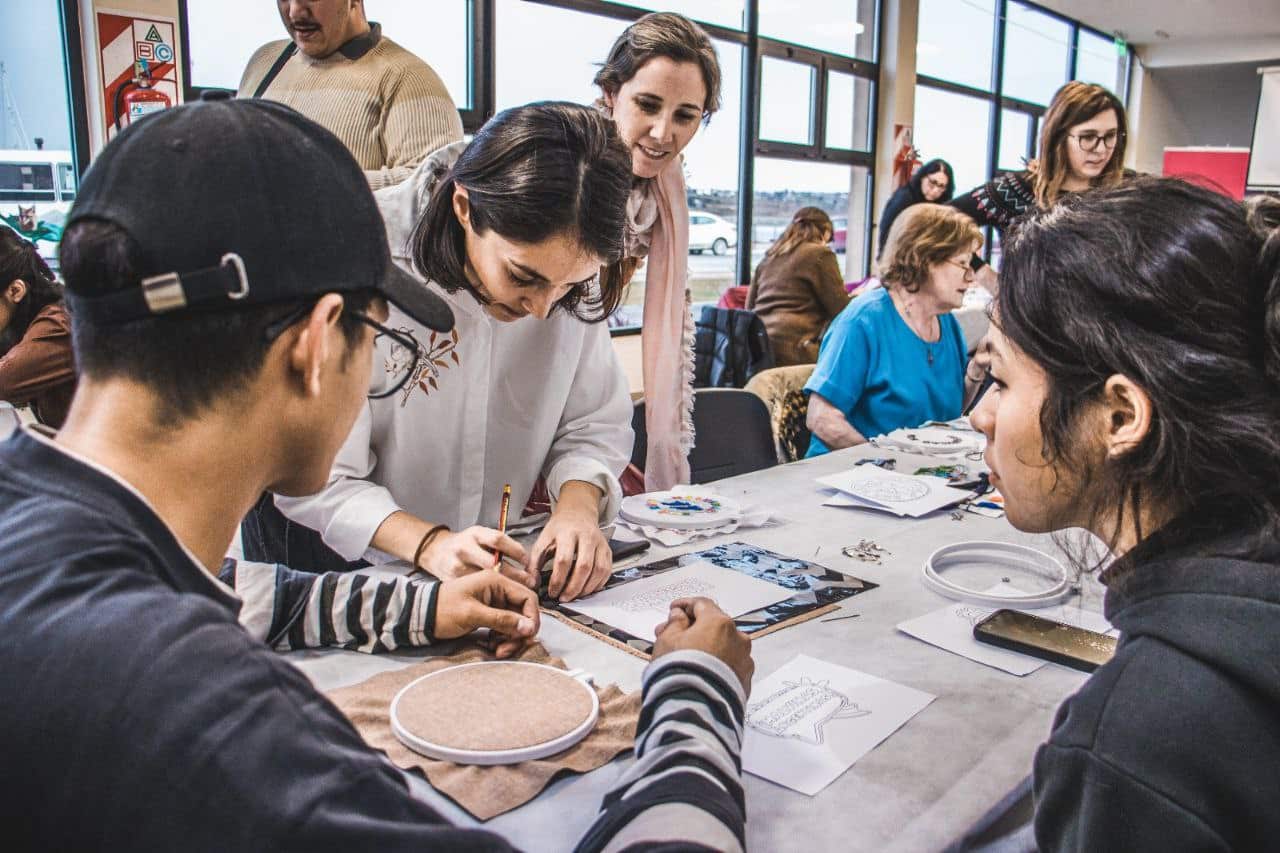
(533, 173)
(1178, 289)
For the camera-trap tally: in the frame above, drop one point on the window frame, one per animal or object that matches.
(481, 80)
(998, 101)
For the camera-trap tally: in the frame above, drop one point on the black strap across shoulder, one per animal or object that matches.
(289, 50)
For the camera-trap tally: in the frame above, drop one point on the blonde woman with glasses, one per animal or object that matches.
(896, 356)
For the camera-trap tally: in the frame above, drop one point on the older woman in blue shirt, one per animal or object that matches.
(896, 357)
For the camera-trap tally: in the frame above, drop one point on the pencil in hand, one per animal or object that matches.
(502, 523)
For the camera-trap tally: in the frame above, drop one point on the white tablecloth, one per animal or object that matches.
(917, 790)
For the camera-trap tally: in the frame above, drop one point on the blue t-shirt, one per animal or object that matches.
(875, 370)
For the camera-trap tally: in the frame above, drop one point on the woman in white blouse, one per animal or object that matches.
(522, 232)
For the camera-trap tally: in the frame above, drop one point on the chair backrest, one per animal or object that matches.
(782, 390)
(732, 435)
(730, 346)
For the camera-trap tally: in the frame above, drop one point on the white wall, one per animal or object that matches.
(1191, 105)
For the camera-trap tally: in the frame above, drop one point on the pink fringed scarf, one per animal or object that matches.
(667, 336)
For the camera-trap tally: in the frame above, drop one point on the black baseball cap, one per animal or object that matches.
(240, 202)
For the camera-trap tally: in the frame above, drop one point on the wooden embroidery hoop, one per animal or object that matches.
(507, 703)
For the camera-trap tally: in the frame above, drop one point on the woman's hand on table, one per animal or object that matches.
(455, 555)
(487, 599)
(698, 623)
(573, 541)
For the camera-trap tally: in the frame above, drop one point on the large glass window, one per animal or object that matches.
(1098, 61)
(225, 33)
(1015, 127)
(786, 101)
(955, 41)
(1035, 54)
(724, 13)
(37, 171)
(955, 128)
(784, 186)
(848, 112)
(844, 27)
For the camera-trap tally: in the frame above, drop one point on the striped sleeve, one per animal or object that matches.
(684, 791)
(289, 609)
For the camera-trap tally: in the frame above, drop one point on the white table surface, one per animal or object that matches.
(916, 791)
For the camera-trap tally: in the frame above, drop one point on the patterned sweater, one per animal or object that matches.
(386, 105)
(1000, 202)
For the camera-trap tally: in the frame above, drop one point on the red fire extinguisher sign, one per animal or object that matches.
(138, 63)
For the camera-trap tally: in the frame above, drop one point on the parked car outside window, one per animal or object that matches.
(709, 232)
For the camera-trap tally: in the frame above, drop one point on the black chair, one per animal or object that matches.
(733, 435)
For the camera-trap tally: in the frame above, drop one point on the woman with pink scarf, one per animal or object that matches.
(660, 81)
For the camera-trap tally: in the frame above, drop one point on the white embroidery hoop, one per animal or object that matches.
(1007, 556)
(635, 510)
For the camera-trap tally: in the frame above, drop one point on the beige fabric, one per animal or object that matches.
(486, 792)
(388, 107)
(782, 389)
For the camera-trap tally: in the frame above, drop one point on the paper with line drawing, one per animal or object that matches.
(811, 720)
(640, 606)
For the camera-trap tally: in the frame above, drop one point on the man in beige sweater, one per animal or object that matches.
(386, 105)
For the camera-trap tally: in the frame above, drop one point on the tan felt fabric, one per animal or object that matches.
(486, 792)
(493, 707)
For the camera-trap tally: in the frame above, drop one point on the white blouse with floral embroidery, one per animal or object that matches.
(493, 403)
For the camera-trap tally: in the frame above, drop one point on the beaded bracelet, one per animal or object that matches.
(425, 541)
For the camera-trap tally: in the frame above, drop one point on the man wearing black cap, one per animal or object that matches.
(226, 271)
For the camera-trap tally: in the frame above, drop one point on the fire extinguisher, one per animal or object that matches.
(137, 97)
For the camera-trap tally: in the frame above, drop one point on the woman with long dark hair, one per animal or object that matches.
(37, 367)
(521, 231)
(1136, 359)
(797, 289)
(933, 182)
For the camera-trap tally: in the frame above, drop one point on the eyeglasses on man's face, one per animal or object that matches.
(1089, 141)
(399, 351)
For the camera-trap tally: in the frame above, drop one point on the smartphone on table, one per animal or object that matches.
(1046, 639)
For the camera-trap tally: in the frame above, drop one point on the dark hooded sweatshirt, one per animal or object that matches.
(1175, 743)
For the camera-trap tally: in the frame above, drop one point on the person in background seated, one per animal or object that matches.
(932, 182)
(1136, 359)
(797, 289)
(521, 232)
(386, 105)
(123, 658)
(660, 83)
(37, 367)
(896, 357)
